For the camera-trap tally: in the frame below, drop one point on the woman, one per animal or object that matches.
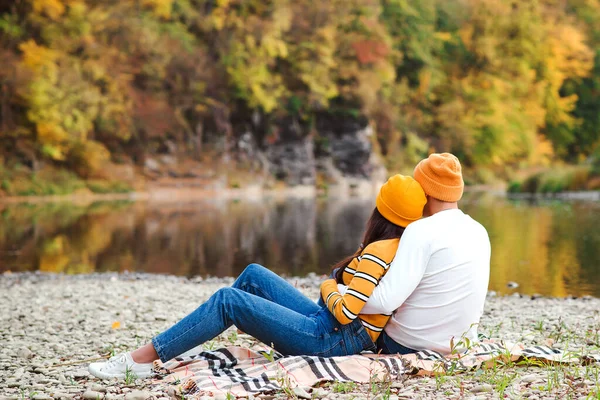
(267, 307)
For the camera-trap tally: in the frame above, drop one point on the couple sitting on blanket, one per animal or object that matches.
(414, 284)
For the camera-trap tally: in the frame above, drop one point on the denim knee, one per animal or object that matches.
(252, 269)
(225, 292)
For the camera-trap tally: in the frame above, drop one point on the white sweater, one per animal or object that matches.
(437, 283)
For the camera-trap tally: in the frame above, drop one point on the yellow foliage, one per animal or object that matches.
(571, 56)
(252, 56)
(316, 65)
(37, 57)
(161, 8)
(481, 77)
(443, 36)
(52, 8)
(52, 138)
(466, 33)
(54, 257)
(218, 15)
(87, 157)
(115, 325)
(48, 133)
(56, 263)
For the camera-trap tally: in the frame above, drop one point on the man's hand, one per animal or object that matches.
(325, 282)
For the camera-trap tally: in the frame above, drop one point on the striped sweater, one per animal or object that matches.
(361, 276)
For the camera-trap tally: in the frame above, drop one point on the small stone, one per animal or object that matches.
(111, 396)
(407, 393)
(12, 384)
(393, 397)
(398, 385)
(25, 353)
(137, 395)
(530, 378)
(301, 393)
(43, 371)
(42, 396)
(320, 392)
(152, 164)
(92, 395)
(482, 388)
(63, 396)
(79, 374)
(98, 388)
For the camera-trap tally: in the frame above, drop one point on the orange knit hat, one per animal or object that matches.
(401, 200)
(440, 176)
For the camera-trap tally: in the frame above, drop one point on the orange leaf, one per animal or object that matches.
(116, 325)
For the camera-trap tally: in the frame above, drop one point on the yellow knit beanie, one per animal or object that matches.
(401, 200)
(440, 175)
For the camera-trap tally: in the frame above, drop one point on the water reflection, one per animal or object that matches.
(551, 248)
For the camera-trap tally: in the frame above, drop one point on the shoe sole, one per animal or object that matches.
(103, 375)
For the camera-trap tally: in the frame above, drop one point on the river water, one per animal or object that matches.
(550, 248)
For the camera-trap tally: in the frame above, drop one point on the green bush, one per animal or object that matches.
(578, 177)
(596, 163)
(99, 186)
(557, 180)
(531, 184)
(553, 183)
(87, 158)
(515, 187)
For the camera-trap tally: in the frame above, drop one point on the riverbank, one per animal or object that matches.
(179, 190)
(52, 324)
(558, 180)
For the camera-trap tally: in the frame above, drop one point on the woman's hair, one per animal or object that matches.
(378, 228)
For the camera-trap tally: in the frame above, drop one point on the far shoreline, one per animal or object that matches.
(364, 189)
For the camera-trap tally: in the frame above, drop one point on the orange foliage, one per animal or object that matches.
(370, 51)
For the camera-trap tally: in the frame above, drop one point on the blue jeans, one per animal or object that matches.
(264, 305)
(387, 345)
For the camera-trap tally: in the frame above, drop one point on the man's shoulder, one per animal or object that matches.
(419, 232)
(422, 225)
(458, 221)
(475, 225)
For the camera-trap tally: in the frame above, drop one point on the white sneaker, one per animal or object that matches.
(120, 366)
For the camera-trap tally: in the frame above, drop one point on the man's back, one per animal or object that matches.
(437, 282)
(450, 297)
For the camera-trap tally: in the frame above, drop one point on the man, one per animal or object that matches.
(437, 283)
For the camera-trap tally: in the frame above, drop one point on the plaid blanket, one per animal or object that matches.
(241, 371)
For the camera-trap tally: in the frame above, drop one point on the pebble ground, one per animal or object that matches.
(51, 326)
